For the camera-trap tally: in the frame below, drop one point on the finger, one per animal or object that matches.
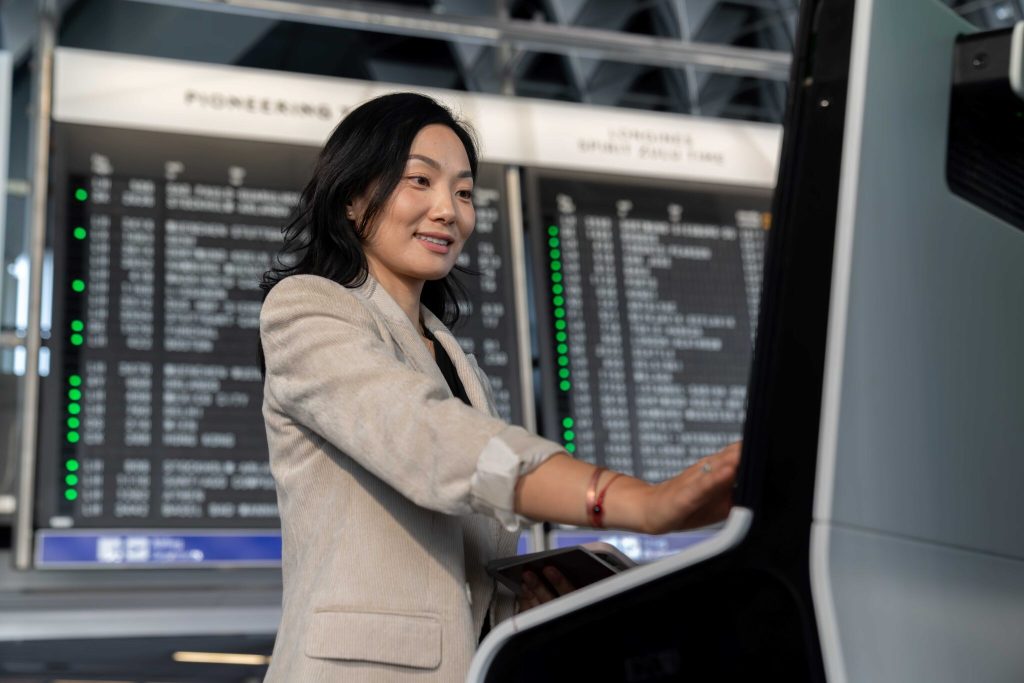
(725, 458)
(721, 465)
(537, 587)
(731, 454)
(558, 580)
(526, 598)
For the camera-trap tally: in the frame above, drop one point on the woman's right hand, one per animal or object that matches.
(533, 591)
(700, 495)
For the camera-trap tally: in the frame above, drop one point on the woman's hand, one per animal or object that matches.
(700, 495)
(534, 591)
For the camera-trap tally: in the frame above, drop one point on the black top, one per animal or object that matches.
(451, 375)
(444, 362)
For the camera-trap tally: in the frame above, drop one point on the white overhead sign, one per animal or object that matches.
(121, 91)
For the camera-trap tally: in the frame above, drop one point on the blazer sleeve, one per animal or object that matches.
(328, 368)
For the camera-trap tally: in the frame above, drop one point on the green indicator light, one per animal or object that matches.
(77, 325)
(74, 423)
(558, 301)
(557, 289)
(563, 349)
(559, 313)
(556, 277)
(553, 242)
(79, 233)
(564, 373)
(74, 408)
(76, 339)
(565, 385)
(70, 494)
(568, 435)
(81, 195)
(71, 479)
(75, 394)
(555, 254)
(553, 230)
(561, 336)
(567, 422)
(556, 266)
(78, 285)
(571, 447)
(73, 437)
(75, 380)
(72, 465)
(563, 360)
(559, 324)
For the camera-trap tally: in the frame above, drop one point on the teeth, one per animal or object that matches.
(434, 240)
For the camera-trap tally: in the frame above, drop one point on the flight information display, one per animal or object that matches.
(151, 417)
(647, 295)
(488, 331)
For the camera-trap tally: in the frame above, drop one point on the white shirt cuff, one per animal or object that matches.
(507, 456)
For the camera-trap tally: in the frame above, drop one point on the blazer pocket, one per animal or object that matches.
(405, 639)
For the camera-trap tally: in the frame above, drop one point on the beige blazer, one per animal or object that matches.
(392, 494)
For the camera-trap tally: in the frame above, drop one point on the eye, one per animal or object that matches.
(465, 194)
(420, 180)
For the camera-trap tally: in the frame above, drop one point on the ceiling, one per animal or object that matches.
(392, 51)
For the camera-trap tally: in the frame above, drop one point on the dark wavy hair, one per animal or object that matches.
(365, 156)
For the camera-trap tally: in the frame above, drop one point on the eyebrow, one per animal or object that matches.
(431, 162)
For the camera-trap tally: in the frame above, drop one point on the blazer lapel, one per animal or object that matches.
(470, 380)
(401, 328)
(409, 340)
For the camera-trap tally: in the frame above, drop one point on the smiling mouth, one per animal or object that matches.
(434, 240)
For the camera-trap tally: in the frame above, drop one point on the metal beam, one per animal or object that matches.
(522, 35)
(43, 81)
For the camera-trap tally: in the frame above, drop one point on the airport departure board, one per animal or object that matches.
(151, 414)
(488, 331)
(647, 295)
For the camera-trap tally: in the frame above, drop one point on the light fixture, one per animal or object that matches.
(221, 658)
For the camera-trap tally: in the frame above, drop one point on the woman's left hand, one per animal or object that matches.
(534, 590)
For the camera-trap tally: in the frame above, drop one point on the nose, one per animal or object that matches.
(443, 209)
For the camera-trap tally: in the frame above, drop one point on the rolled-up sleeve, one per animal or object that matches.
(329, 369)
(506, 457)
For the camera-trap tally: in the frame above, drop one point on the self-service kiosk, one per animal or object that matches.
(876, 534)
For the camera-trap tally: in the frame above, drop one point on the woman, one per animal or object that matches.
(396, 482)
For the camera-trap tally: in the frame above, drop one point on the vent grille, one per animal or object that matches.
(985, 160)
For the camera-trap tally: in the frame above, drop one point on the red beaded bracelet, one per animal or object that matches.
(595, 500)
(592, 493)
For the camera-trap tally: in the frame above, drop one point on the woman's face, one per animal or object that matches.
(429, 216)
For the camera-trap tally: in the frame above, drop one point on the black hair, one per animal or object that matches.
(365, 156)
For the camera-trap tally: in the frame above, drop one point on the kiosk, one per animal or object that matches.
(875, 534)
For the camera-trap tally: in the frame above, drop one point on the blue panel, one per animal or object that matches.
(157, 549)
(638, 547)
(525, 545)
